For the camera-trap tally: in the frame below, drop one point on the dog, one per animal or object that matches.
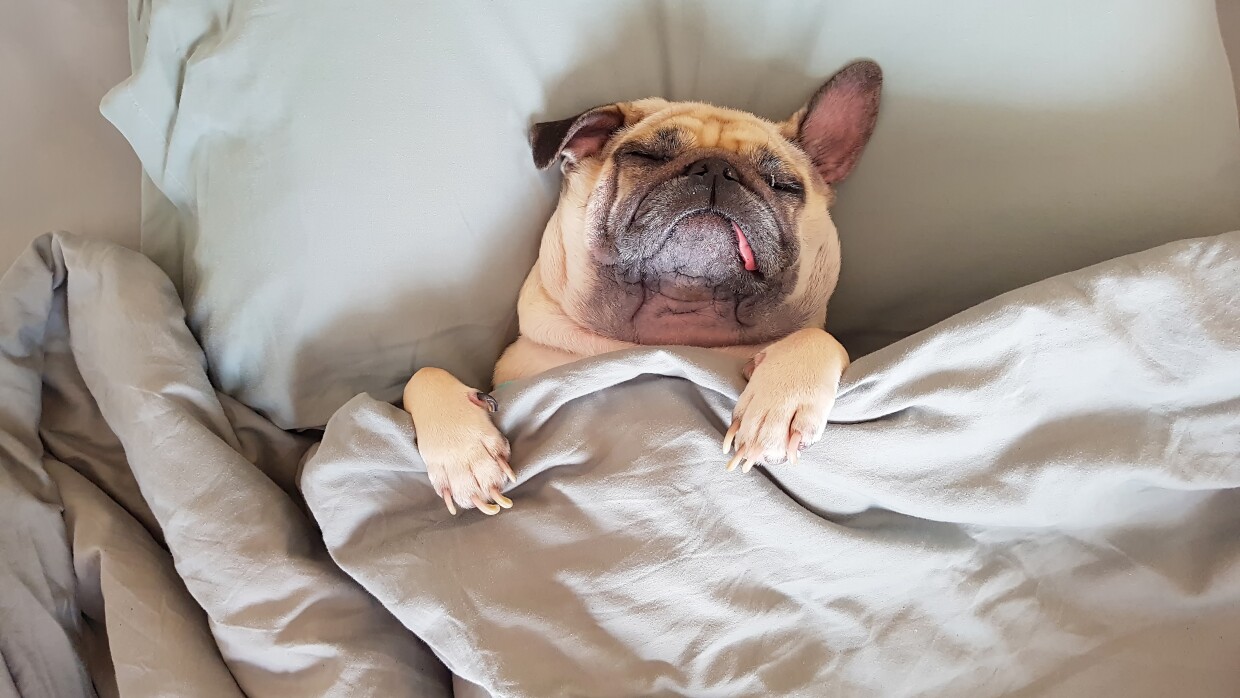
(678, 223)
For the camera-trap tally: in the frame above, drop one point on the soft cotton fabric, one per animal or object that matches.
(1036, 497)
(183, 565)
(344, 191)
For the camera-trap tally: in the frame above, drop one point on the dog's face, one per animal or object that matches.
(685, 223)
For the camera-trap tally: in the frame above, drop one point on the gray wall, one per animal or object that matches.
(62, 166)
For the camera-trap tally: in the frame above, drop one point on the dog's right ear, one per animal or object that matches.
(575, 138)
(838, 121)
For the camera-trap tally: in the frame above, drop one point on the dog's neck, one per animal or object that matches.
(540, 309)
(544, 321)
(549, 337)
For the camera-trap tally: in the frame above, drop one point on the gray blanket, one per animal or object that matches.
(1037, 497)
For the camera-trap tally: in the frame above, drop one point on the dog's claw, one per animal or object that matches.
(464, 452)
(752, 365)
(482, 399)
(500, 499)
(503, 465)
(747, 465)
(794, 447)
(734, 462)
(730, 436)
(485, 507)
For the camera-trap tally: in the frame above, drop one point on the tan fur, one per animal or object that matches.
(793, 381)
(550, 304)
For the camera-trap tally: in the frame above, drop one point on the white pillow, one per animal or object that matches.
(354, 197)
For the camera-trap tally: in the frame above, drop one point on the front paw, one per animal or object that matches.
(466, 456)
(785, 406)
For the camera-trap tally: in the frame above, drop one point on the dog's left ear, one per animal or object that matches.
(575, 138)
(835, 125)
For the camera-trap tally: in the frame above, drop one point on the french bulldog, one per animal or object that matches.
(678, 223)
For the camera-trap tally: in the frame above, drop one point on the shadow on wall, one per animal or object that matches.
(701, 59)
(956, 203)
(1229, 26)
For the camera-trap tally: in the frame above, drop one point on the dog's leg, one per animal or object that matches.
(792, 386)
(466, 456)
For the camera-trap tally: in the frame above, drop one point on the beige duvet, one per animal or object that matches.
(1036, 497)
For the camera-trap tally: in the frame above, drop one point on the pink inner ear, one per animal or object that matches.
(591, 133)
(587, 141)
(840, 120)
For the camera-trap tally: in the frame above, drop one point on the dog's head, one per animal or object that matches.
(685, 223)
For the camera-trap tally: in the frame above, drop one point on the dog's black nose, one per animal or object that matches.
(711, 169)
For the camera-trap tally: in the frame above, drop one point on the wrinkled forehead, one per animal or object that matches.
(685, 126)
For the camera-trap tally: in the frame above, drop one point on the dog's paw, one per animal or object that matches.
(466, 456)
(784, 408)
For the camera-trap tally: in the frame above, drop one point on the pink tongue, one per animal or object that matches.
(746, 251)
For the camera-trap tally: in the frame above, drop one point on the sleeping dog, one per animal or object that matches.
(679, 223)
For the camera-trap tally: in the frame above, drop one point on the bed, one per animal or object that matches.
(1029, 485)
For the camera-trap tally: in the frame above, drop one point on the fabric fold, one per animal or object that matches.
(1036, 497)
(1032, 498)
(285, 620)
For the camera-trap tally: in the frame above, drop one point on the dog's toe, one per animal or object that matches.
(783, 409)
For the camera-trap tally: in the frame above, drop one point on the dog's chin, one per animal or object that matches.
(693, 285)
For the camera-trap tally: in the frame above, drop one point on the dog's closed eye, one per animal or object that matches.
(663, 146)
(644, 155)
(776, 172)
(787, 185)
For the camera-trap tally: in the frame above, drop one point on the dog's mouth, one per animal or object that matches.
(700, 282)
(719, 233)
(702, 248)
(691, 264)
(705, 247)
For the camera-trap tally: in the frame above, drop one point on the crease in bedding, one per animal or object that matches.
(1038, 496)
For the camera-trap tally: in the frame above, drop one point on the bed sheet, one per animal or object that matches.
(1040, 496)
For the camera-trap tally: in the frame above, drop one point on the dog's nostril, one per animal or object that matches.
(709, 168)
